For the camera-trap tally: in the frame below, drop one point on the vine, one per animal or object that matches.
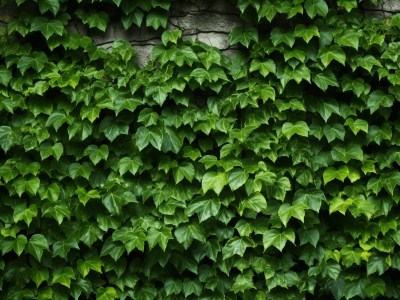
(272, 174)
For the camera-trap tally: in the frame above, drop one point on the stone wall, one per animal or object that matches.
(209, 21)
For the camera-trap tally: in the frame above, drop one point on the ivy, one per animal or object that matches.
(269, 174)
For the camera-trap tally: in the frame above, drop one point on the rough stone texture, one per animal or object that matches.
(384, 9)
(207, 21)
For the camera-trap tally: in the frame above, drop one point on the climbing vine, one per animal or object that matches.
(271, 174)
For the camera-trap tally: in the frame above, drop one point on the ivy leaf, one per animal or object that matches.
(113, 203)
(130, 237)
(237, 246)
(184, 170)
(265, 67)
(379, 99)
(328, 107)
(278, 239)
(5, 76)
(349, 38)
(312, 197)
(160, 237)
(156, 19)
(47, 27)
(39, 276)
(215, 181)
(127, 164)
(63, 276)
(316, 7)
(49, 5)
(135, 17)
(186, 233)
(287, 211)
(309, 236)
(357, 125)
(237, 178)
(307, 33)
(325, 79)
(346, 153)
(205, 208)
(145, 136)
(279, 36)
(92, 263)
(171, 36)
(93, 18)
(243, 36)
(106, 293)
(332, 173)
(300, 128)
(6, 138)
(376, 263)
(36, 61)
(329, 53)
(335, 131)
(21, 212)
(96, 154)
(255, 202)
(37, 243)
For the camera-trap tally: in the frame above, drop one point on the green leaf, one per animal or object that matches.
(237, 246)
(172, 286)
(309, 236)
(37, 243)
(325, 79)
(300, 128)
(237, 178)
(5, 76)
(215, 181)
(265, 67)
(184, 170)
(49, 5)
(379, 99)
(145, 136)
(243, 36)
(20, 243)
(93, 18)
(335, 131)
(131, 165)
(243, 282)
(255, 202)
(205, 208)
(307, 33)
(131, 237)
(312, 197)
(39, 276)
(93, 263)
(357, 125)
(159, 236)
(287, 211)
(346, 153)
(63, 276)
(96, 154)
(316, 7)
(113, 203)
(106, 293)
(376, 263)
(6, 137)
(171, 36)
(328, 107)
(156, 19)
(47, 27)
(329, 53)
(36, 61)
(21, 212)
(279, 36)
(186, 233)
(332, 173)
(278, 239)
(136, 17)
(349, 38)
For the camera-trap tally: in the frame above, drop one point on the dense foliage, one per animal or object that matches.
(270, 175)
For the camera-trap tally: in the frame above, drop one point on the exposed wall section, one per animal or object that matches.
(207, 21)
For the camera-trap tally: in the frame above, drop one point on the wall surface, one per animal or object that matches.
(208, 21)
